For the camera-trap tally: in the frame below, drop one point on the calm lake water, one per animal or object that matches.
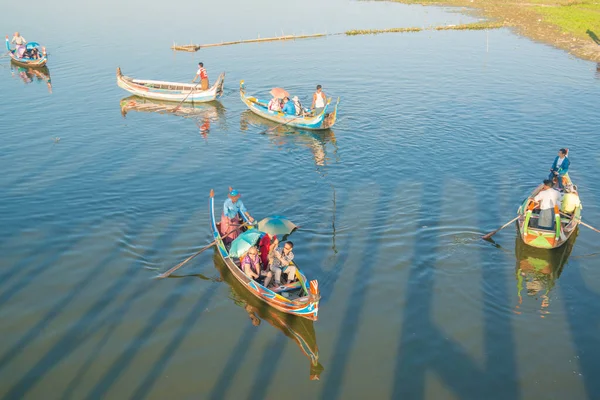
(440, 137)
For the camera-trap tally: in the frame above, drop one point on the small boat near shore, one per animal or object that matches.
(170, 91)
(535, 236)
(324, 120)
(299, 298)
(30, 62)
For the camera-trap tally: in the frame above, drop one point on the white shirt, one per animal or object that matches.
(559, 162)
(320, 101)
(548, 198)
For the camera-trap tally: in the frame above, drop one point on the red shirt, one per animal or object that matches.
(202, 73)
(263, 246)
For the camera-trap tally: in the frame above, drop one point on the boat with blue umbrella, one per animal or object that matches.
(300, 297)
(277, 225)
(31, 55)
(323, 120)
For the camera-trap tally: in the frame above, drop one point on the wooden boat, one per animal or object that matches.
(300, 330)
(170, 91)
(25, 61)
(537, 270)
(532, 235)
(295, 298)
(324, 120)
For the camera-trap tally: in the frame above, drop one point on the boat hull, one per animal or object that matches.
(170, 91)
(27, 62)
(564, 225)
(325, 120)
(305, 307)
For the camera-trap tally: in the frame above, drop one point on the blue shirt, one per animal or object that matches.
(289, 108)
(231, 209)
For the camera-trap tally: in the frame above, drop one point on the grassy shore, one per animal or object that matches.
(568, 24)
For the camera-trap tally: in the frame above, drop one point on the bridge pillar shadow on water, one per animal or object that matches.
(81, 331)
(424, 347)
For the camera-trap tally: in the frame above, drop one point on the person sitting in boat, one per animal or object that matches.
(280, 262)
(20, 42)
(201, 73)
(251, 264)
(547, 198)
(274, 104)
(288, 106)
(560, 167)
(31, 53)
(570, 200)
(230, 219)
(298, 106)
(319, 100)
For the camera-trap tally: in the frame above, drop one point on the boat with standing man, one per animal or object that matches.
(33, 55)
(300, 298)
(170, 91)
(325, 119)
(564, 224)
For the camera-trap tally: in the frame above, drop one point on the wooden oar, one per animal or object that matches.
(175, 268)
(492, 233)
(581, 222)
(589, 226)
(185, 98)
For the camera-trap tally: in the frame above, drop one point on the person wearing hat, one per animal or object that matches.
(230, 219)
(547, 198)
(202, 75)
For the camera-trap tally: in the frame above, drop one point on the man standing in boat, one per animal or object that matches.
(20, 42)
(319, 100)
(230, 219)
(547, 198)
(202, 75)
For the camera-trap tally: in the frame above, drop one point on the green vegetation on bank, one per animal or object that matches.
(473, 26)
(573, 25)
(581, 18)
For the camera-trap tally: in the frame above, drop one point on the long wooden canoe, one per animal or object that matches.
(301, 330)
(28, 62)
(170, 91)
(533, 235)
(295, 299)
(324, 120)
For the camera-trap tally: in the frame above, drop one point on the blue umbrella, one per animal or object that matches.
(277, 225)
(242, 243)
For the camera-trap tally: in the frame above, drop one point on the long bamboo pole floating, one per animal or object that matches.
(196, 47)
(472, 26)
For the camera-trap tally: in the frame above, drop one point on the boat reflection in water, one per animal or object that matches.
(203, 114)
(282, 135)
(301, 330)
(538, 269)
(30, 75)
